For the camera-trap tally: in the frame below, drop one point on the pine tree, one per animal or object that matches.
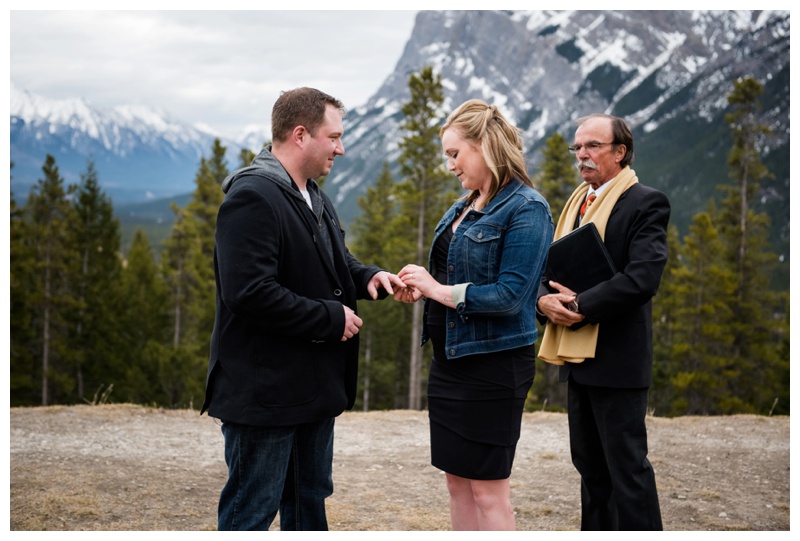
(188, 262)
(701, 339)
(387, 325)
(557, 177)
(202, 212)
(48, 212)
(95, 238)
(24, 385)
(246, 157)
(183, 278)
(758, 318)
(666, 304)
(745, 164)
(424, 194)
(144, 325)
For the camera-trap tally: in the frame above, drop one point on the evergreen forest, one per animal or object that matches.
(92, 323)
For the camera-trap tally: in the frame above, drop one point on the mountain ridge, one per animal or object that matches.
(667, 72)
(140, 152)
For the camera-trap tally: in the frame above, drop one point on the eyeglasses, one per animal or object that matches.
(591, 147)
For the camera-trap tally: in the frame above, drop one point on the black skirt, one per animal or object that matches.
(475, 407)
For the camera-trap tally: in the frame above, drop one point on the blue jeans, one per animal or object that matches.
(277, 468)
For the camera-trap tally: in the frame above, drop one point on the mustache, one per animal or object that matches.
(589, 164)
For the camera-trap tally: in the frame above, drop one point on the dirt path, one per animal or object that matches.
(121, 467)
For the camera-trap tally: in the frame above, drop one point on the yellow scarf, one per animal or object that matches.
(559, 343)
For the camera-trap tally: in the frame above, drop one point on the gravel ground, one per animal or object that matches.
(125, 467)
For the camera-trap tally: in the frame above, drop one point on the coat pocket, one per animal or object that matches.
(482, 247)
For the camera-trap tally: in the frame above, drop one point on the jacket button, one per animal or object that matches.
(337, 292)
(451, 268)
(452, 324)
(452, 352)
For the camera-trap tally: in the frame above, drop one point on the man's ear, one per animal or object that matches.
(621, 150)
(300, 135)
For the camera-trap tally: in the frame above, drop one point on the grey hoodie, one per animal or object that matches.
(267, 165)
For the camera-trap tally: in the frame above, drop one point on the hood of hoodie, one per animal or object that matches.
(267, 166)
(264, 165)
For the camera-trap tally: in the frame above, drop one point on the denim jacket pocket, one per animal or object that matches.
(482, 253)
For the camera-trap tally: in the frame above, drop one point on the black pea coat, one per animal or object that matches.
(276, 355)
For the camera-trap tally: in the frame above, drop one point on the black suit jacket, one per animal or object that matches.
(636, 239)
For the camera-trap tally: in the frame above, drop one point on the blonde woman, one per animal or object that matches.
(484, 268)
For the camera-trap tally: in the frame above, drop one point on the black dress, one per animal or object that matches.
(475, 402)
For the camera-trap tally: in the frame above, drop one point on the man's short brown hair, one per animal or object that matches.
(301, 107)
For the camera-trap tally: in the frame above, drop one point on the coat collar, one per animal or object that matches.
(505, 193)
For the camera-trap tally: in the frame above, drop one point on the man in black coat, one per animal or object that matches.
(284, 350)
(608, 384)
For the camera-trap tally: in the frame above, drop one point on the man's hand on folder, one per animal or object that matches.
(556, 306)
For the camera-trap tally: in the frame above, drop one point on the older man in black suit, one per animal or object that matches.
(602, 337)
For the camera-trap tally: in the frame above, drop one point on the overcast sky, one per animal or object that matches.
(223, 69)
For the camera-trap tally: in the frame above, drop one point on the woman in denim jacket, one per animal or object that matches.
(485, 264)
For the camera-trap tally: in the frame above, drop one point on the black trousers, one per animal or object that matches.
(608, 440)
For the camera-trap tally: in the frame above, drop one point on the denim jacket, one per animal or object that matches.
(496, 260)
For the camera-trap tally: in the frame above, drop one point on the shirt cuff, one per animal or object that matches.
(460, 293)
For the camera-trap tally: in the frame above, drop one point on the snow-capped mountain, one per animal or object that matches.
(668, 72)
(139, 152)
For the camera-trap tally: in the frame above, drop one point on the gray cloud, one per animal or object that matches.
(220, 68)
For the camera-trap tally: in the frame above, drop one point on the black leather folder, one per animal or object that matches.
(579, 260)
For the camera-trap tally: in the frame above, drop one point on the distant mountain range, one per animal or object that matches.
(668, 72)
(140, 153)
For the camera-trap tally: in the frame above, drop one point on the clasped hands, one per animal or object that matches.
(555, 306)
(417, 281)
(414, 282)
(410, 284)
